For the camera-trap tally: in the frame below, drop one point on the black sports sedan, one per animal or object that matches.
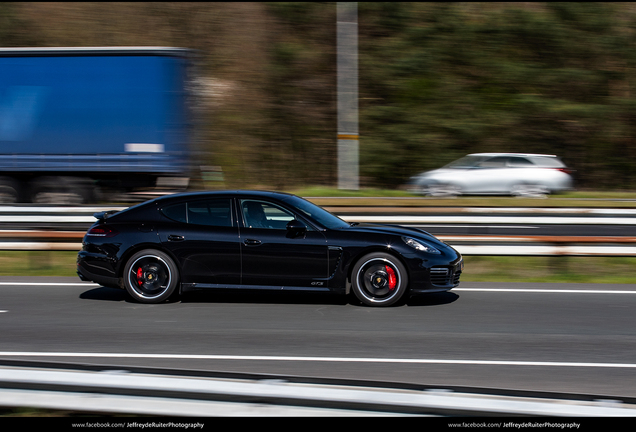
(259, 240)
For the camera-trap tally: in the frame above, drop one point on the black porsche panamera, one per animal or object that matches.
(259, 240)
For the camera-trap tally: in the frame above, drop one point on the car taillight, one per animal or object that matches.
(102, 231)
(565, 170)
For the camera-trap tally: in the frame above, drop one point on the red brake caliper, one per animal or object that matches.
(140, 275)
(392, 278)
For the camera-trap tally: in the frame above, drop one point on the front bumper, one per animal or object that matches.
(436, 277)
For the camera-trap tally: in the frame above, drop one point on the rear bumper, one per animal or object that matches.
(86, 273)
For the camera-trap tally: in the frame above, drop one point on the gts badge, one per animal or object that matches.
(317, 283)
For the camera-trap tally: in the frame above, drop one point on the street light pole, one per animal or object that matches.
(347, 59)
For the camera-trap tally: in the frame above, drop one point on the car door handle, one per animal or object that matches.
(251, 242)
(175, 238)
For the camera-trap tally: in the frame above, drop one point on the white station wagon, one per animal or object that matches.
(517, 174)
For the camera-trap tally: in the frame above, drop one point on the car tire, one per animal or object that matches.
(443, 190)
(528, 190)
(379, 279)
(150, 276)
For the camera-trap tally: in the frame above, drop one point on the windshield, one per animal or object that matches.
(320, 215)
(466, 162)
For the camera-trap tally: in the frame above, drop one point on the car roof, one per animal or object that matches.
(143, 207)
(512, 154)
(238, 193)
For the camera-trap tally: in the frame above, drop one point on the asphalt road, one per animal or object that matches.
(537, 337)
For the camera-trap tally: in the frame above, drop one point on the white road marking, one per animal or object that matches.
(547, 290)
(86, 284)
(317, 359)
(525, 290)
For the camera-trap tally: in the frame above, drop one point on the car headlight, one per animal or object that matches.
(420, 246)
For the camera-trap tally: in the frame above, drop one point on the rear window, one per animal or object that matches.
(216, 212)
(549, 162)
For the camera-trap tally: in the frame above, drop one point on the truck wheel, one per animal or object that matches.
(9, 190)
(60, 190)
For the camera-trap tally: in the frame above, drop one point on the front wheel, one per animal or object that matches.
(150, 276)
(443, 190)
(529, 190)
(379, 279)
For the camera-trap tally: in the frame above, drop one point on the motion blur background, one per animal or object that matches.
(436, 81)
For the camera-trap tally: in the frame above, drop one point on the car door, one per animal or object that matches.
(203, 236)
(487, 176)
(274, 256)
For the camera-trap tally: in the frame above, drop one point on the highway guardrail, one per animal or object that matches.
(467, 245)
(129, 392)
(62, 228)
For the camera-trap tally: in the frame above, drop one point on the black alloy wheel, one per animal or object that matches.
(379, 279)
(150, 276)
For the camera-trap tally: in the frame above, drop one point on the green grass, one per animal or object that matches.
(372, 197)
(559, 269)
(318, 191)
(37, 263)
(615, 270)
(324, 191)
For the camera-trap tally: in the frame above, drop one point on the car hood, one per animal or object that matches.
(439, 173)
(442, 171)
(400, 230)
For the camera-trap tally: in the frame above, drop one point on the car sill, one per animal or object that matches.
(199, 286)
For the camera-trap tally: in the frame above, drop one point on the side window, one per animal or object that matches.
(496, 162)
(519, 162)
(176, 212)
(261, 214)
(209, 212)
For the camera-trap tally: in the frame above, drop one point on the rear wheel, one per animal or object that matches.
(379, 279)
(150, 276)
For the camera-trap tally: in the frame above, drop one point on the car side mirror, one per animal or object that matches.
(296, 228)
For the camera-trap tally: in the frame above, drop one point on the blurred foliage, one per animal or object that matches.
(460, 78)
(437, 81)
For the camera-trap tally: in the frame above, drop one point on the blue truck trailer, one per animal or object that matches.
(79, 122)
